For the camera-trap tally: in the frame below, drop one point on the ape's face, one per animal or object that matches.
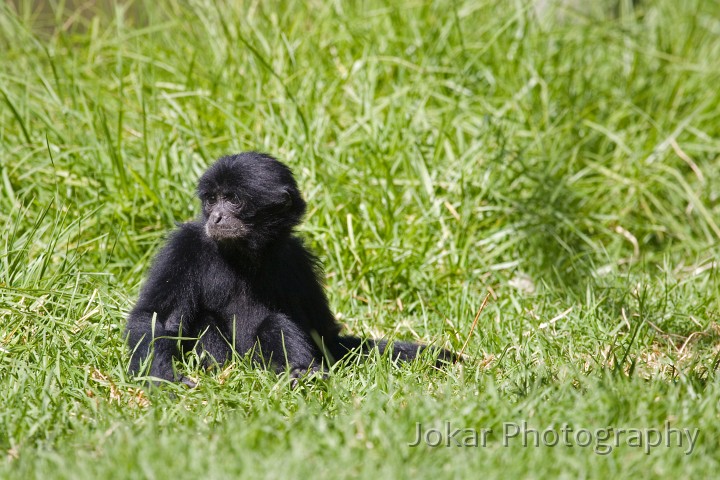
(223, 213)
(249, 200)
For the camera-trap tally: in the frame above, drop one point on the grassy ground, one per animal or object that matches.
(566, 163)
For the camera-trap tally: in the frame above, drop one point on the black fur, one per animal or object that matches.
(238, 279)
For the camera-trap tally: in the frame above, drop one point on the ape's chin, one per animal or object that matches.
(225, 234)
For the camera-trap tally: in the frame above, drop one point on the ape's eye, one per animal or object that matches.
(235, 200)
(211, 199)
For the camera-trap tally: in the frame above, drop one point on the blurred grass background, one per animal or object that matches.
(562, 157)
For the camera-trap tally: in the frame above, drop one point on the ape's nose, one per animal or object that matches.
(216, 217)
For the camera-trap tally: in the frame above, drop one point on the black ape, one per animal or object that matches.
(238, 279)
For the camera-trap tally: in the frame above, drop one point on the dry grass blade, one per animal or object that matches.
(472, 327)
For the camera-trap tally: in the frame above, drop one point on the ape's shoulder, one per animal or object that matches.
(189, 234)
(295, 250)
(294, 265)
(184, 246)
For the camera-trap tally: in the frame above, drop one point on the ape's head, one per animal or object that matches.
(249, 200)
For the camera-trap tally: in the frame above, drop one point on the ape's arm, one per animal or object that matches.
(303, 293)
(167, 305)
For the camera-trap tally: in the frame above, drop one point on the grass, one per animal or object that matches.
(564, 161)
